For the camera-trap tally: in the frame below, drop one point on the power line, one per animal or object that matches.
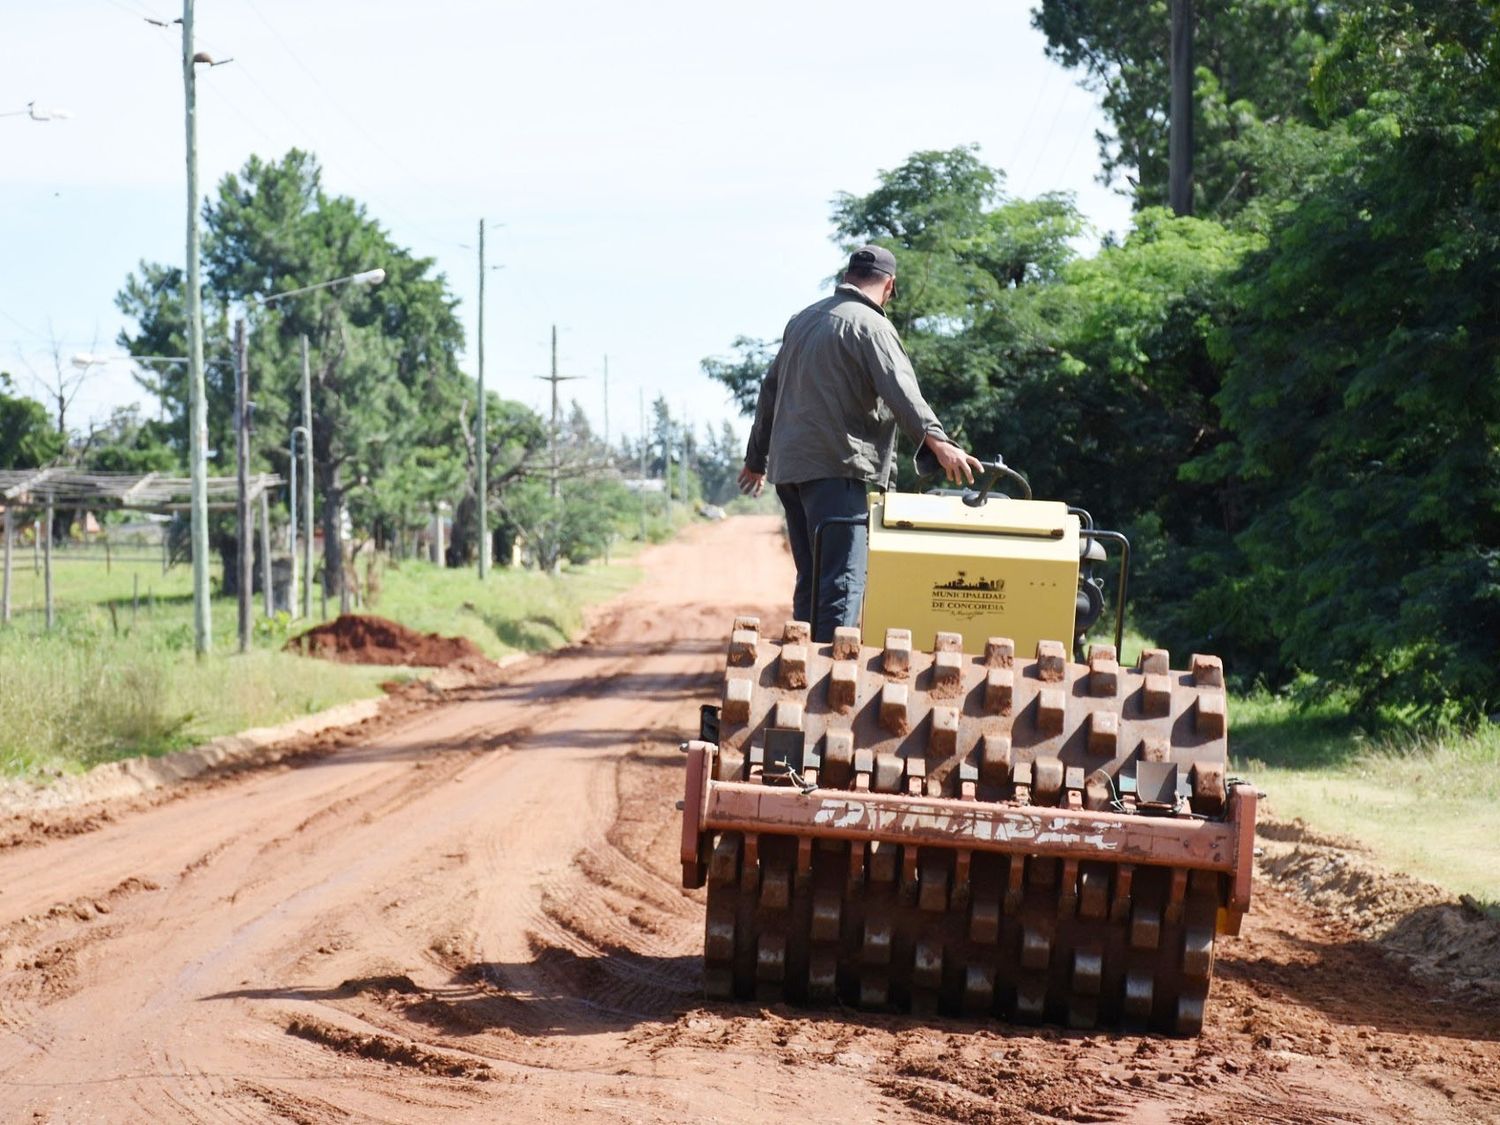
(353, 119)
(24, 328)
(1046, 145)
(136, 12)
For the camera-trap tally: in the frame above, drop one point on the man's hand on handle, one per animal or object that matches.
(958, 466)
(751, 483)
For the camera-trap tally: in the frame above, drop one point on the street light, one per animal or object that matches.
(89, 359)
(39, 113)
(86, 360)
(364, 277)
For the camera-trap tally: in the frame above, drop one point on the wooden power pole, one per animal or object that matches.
(244, 529)
(555, 379)
(481, 443)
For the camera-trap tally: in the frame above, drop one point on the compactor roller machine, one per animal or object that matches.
(958, 806)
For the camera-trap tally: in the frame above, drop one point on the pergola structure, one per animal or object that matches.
(50, 489)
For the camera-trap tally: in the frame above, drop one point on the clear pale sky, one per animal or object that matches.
(663, 170)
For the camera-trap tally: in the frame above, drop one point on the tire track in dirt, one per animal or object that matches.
(470, 911)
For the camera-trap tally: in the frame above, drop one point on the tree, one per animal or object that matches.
(127, 443)
(386, 384)
(1096, 377)
(28, 439)
(742, 374)
(383, 359)
(1363, 388)
(1252, 62)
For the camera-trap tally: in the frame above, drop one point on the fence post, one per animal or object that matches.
(10, 535)
(47, 566)
(265, 553)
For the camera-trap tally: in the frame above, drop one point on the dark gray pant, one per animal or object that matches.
(841, 581)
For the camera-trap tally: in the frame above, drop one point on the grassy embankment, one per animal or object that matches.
(1427, 805)
(117, 676)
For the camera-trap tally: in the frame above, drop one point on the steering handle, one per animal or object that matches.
(929, 473)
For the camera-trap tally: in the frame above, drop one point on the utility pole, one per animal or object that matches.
(482, 442)
(642, 393)
(10, 537)
(307, 483)
(1180, 138)
(606, 405)
(555, 379)
(552, 439)
(198, 433)
(243, 525)
(682, 461)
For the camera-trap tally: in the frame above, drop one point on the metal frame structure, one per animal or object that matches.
(50, 489)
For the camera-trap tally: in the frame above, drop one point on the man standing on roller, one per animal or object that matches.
(825, 431)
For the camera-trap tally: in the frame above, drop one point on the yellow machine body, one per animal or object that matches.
(1007, 568)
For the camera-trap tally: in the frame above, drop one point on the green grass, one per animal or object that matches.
(82, 695)
(117, 675)
(516, 610)
(1426, 805)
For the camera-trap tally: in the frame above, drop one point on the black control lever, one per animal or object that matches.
(930, 473)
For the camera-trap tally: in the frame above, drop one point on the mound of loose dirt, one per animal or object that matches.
(356, 638)
(1437, 937)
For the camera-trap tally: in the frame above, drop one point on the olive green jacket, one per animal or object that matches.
(834, 395)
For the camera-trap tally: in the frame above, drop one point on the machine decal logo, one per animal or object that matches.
(967, 597)
(983, 825)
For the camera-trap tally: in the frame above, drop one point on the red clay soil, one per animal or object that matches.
(356, 638)
(471, 912)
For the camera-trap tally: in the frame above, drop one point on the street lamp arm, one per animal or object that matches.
(38, 113)
(88, 359)
(364, 277)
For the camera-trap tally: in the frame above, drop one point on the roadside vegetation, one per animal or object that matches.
(394, 446)
(1287, 396)
(1426, 803)
(117, 676)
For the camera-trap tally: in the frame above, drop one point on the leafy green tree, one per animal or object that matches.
(1252, 60)
(386, 387)
(153, 299)
(1363, 388)
(743, 373)
(28, 439)
(384, 375)
(127, 443)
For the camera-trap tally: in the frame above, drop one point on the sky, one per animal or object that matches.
(656, 177)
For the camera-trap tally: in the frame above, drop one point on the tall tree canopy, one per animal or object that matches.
(1252, 59)
(1292, 402)
(392, 414)
(1363, 385)
(28, 439)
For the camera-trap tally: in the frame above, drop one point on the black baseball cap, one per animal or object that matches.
(873, 258)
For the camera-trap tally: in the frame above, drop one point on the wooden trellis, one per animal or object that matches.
(47, 490)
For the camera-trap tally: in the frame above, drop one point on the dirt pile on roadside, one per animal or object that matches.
(1437, 937)
(357, 638)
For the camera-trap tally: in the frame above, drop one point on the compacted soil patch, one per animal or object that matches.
(356, 638)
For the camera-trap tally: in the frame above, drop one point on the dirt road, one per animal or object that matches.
(472, 914)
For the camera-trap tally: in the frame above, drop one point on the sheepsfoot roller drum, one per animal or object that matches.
(968, 833)
(943, 812)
